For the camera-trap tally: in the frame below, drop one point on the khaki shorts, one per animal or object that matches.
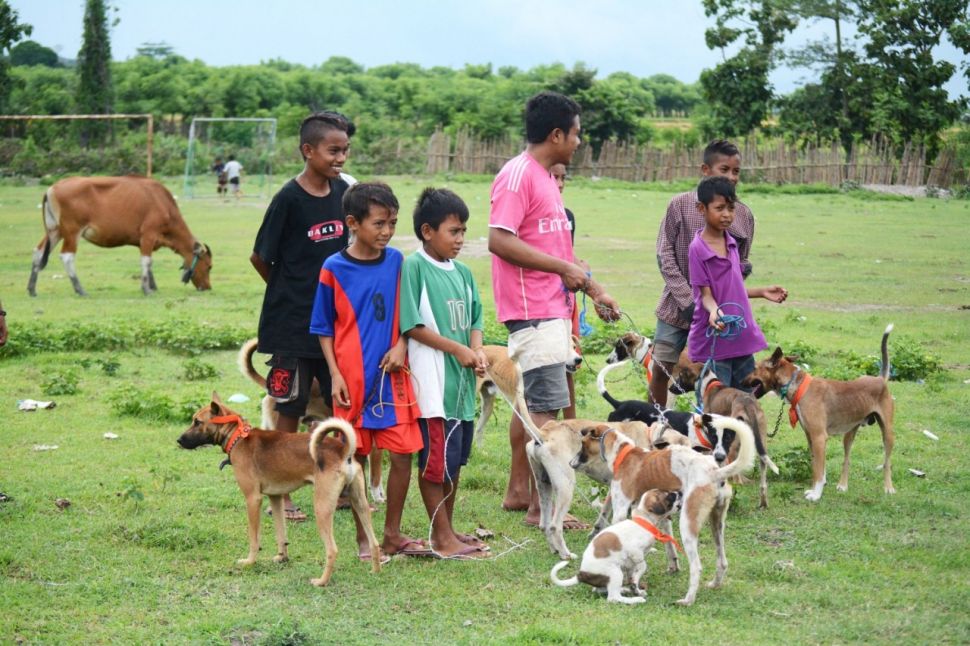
(542, 349)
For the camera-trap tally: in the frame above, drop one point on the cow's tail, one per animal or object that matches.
(601, 382)
(48, 217)
(245, 362)
(884, 371)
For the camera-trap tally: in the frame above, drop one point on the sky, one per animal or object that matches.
(643, 37)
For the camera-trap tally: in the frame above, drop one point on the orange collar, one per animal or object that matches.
(621, 456)
(647, 360)
(714, 382)
(659, 535)
(802, 387)
(241, 432)
(701, 437)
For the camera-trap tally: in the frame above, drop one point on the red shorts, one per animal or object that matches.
(401, 438)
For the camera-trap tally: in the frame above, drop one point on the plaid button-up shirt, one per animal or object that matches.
(677, 229)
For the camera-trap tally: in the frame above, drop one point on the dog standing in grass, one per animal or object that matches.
(274, 464)
(828, 407)
(616, 555)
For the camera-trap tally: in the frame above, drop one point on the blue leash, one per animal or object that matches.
(734, 324)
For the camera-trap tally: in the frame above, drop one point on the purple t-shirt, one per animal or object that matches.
(723, 276)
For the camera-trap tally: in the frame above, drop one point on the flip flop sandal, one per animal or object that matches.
(385, 559)
(469, 553)
(473, 541)
(293, 514)
(415, 547)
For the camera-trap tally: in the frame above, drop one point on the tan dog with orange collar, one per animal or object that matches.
(273, 464)
(704, 486)
(827, 407)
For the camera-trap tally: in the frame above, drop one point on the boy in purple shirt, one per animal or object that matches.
(719, 291)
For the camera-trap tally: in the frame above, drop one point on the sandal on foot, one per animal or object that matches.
(294, 514)
(469, 553)
(473, 541)
(414, 547)
(365, 557)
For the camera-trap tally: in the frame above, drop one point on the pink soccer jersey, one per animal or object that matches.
(526, 202)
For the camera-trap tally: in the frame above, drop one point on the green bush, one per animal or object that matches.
(129, 401)
(196, 370)
(60, 383)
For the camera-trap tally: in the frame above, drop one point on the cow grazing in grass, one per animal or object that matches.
(116, 211)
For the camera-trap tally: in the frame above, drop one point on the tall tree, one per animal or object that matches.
(95, 94)
(11, 31)
(737, 91)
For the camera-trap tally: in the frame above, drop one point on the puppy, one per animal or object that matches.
(720, 400)
(646, 412)
(317, 409)
(549, 456)
(504, 376)
(616, 554)
(703, 484)
(273, 464)
(827, 407)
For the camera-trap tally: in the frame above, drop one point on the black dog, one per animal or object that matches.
(635, 410)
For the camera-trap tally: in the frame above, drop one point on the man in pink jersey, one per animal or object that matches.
(534, 274)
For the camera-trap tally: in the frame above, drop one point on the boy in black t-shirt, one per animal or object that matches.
(303, 225)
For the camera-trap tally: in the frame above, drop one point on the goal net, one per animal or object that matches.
(213, 140)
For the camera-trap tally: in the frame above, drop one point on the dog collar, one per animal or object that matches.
(783, 390)
(802, 387)
(659, 535)
(603, 442)
(621, 456)
(241, 432)
(647, 360)
(701, 437)
(714, 382)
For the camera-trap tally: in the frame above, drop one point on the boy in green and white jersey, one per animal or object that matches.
(441, 315)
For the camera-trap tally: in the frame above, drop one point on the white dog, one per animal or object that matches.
(616, 555)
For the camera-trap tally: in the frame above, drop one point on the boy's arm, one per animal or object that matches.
(507, 246)
(341, 396)
(606, 307)
(710, 304)
(774, 293)
(260, 265)
(667, 258)
(467, 357)
(393, 360)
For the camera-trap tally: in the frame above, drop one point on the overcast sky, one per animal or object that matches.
(643, 37)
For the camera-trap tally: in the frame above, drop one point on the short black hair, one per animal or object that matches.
(718, 148)
(713, 186)
(433, 207)
(359, 198)
(547, 111)
(316, 126)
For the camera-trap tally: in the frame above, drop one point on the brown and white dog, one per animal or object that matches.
(273, 464)
(827, 407)
(550, 456)
(640, 349)
(504, 376)
(720, 400)
(703, 484)
(616, 555)
(317, 409)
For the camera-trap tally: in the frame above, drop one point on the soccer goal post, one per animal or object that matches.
(212, 140)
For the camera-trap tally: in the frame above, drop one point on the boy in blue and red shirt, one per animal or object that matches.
(355, 315)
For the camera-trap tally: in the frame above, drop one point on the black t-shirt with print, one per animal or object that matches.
(298, 233)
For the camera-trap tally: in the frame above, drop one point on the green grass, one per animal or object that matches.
(146, 550)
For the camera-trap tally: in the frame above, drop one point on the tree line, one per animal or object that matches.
(883, 80)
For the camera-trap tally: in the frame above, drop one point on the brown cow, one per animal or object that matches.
(116, 211)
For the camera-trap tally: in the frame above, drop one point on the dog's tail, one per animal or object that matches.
(519, 406)
(884, 371)
(746, 450)
(601, 382)
(750, 416)
(326, 427)
(562, 583)
(245, 362)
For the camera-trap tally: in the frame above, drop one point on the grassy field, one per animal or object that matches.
(146, 550)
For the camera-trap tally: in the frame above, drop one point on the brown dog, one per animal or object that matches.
(550, 457)
(706, 492)
(827, 407)
(720, 400)
(503, 375)
(273, 464)
(317, 409)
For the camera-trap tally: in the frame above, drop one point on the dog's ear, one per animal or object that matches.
(776, 356)
(793, 358)
(706, 419)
